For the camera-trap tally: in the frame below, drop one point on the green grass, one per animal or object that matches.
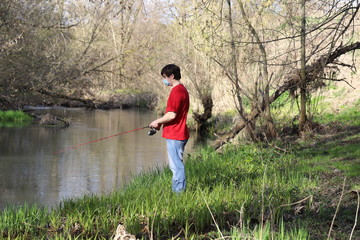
(250, 178)
(349, 116)
(342, 153)
(217, 184)
(14, 119)
(339, 93)
(246, 192)
(286, 109)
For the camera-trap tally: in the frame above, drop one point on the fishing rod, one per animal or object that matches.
(151, 132)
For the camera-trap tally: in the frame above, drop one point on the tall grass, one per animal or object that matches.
(219, 186)
(267, 233)
(14, 118)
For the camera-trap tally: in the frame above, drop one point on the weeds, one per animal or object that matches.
(14, 119)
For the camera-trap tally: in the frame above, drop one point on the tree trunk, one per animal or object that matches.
(271, 130)
(234, 77)
(201, 119)
(303, 117)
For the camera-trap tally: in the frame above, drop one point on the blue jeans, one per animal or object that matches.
(175, 149)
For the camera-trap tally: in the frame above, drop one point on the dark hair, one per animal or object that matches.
(171, 69)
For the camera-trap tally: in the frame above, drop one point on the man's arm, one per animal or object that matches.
(168, 117)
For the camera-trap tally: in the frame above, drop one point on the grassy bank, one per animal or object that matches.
(14, 119)
(247, 192)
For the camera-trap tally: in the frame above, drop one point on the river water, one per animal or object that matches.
(31, 170)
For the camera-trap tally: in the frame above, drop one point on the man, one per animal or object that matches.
(175, 130)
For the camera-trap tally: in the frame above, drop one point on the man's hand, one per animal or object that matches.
(168, 117)
(155, 124)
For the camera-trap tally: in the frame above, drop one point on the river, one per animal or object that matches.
(31, 170)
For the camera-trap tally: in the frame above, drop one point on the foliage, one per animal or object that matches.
(350, 115)
(14, 118)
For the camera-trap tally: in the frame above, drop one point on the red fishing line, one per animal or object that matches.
(100, 139)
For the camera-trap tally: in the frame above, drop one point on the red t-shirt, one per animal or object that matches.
(178, 102)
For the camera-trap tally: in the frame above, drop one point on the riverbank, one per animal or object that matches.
(248, 191)
(121, 98)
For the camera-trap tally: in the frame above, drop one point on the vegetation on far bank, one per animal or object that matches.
(286, 190)
(14, 118)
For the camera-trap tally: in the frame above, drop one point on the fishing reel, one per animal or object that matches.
(152, 131)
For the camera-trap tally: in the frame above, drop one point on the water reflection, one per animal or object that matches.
(32, 172)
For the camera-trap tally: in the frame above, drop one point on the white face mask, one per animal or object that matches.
(166, 82)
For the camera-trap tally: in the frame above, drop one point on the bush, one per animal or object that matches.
(14, 118)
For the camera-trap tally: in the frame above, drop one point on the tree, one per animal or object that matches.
(247, 66)
(39, 36)
(187, 47)
(265, 79)
(323, 42)
(61, 49)
(302, 118)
